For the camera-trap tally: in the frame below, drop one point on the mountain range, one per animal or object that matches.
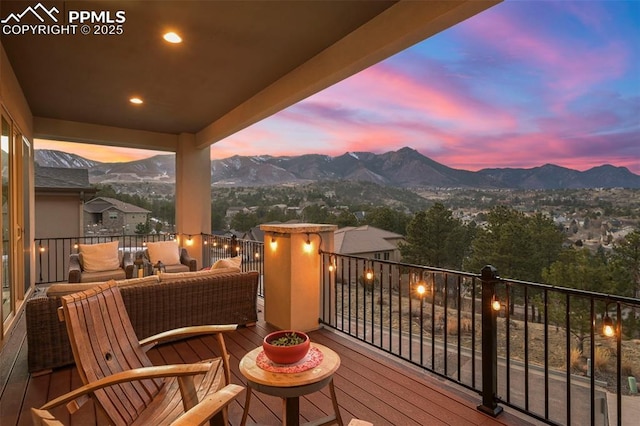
(405, 168)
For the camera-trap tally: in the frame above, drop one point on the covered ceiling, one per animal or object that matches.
(239, 62)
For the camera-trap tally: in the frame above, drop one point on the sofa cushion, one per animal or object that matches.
(99, 257)
(176, 268)
(113, 274)
(171, 277)
(57, 290)
(167, 252)
(229, 262)
(151, 279)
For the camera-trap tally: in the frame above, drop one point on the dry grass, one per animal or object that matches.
(602, 358)
(576, 359)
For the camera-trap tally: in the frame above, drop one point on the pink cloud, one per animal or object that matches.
(570, 66)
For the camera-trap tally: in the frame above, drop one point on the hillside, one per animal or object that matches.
(405, 168)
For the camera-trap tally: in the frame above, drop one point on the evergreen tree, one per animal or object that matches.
(244, 221)
(143, 228)
(626, 254)
(517, 245)
(387, 219)
(579, 269)
(435, 238)
(317, 214)
(346, 218)
(625, 262)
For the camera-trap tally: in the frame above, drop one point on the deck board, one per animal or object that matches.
(370, 385)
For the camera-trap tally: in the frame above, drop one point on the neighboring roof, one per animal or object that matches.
(254, 234)
(62, 178)
(364, 239)
(101, 204)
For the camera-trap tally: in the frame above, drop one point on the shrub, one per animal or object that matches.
(575, 359)
(602, 356)
(628, 366)
(452, 326)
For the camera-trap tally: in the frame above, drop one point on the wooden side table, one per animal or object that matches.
(291, 386)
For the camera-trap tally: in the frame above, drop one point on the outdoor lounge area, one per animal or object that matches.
(386, 332)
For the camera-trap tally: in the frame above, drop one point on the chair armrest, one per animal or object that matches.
(185, 259)
(127, 264)
(183, 332)
(156, 372)
(75, 270)
(209, 406)
(137, 374)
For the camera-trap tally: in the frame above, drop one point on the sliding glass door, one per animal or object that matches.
(8, 290)
(15, 278)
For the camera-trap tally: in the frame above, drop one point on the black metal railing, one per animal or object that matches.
(52, 256)
(215, 247)
(512, 342)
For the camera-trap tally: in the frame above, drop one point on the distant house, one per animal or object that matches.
(60, 194)
(108, 215)
(232, 211)
(368, 241)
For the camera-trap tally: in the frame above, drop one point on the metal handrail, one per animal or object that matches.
(452, 331)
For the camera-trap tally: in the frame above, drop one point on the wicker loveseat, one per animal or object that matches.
(154, 304)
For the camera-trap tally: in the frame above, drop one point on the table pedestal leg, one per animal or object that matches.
(291, 411)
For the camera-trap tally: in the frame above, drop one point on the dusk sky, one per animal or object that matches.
(522, 84)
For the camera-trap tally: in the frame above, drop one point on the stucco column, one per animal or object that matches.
(193, 194)
(292, 274)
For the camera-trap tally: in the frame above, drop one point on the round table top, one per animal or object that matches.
(328, 366)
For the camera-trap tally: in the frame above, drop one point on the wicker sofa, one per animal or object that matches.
(154, 304)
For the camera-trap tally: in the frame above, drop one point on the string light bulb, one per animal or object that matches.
(368, 274)
(332, 263)
(608, 328)
(308, 248)
(495, 304)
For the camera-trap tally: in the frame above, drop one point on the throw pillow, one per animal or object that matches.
(167, 252)
(230, 262)
(99, 257)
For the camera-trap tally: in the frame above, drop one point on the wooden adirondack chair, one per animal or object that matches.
(118, 375)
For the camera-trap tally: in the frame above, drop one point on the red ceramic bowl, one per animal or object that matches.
(285, 354)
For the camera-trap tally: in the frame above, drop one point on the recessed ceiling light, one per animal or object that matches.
(172, 37)
(135, 100)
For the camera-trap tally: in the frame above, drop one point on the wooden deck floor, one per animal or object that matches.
(370, 386)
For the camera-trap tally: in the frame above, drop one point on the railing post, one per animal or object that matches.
(489, 277)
